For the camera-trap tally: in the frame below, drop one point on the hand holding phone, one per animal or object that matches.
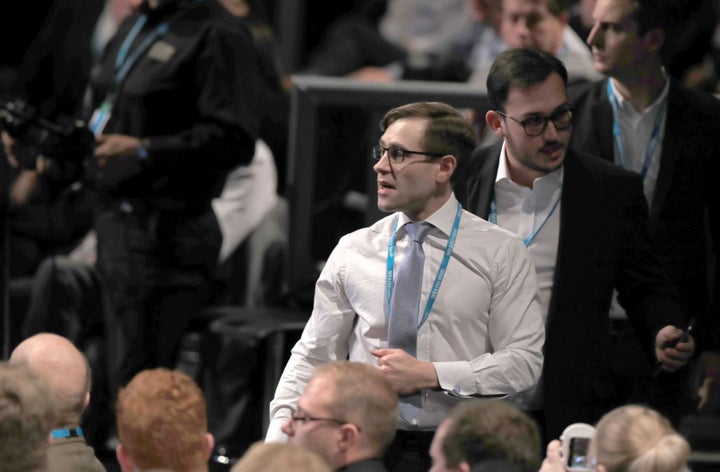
(684, 337)
(575, 447)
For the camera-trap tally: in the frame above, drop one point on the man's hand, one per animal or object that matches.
(371, 74)
(406, 374)
(553, 459)
(23, 187)
(9, 144)
(115, 145)
(673, 356)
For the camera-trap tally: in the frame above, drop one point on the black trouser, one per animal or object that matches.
(156, 268)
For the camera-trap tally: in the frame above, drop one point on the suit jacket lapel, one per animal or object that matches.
(573, 228)
(672, 147)
(603, 132)
(482, 190)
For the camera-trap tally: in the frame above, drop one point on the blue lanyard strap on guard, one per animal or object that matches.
(617, 133)
(492, 218)
(389, 276)
(123, 62)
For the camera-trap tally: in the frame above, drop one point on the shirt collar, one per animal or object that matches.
(442, 219)
(626, 108)
(503, 174)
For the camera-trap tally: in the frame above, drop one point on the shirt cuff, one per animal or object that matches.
(274, 432)
(456, 377)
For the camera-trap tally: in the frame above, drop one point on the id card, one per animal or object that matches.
(100, 117)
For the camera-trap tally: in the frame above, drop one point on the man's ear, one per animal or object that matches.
(126, 463)
(448, 165)
(494, 121)
(349, 437)
(654, 39)
(209, 445)
(564, 17)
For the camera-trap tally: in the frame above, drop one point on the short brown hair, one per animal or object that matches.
(162, 420)
(280, 457)
(555, 7)
(482, 430)
(448, 131)
(26, 417)
(363, 396)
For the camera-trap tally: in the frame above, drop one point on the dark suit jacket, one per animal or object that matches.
(685, 211)
(603, 245)
(367, 465)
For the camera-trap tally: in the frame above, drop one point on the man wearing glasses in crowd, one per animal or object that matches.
(584, 221)
(346, 414)
(474, 327)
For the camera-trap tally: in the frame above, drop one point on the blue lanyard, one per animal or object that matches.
(66, 433)
(492, 218)
(123, 63)
(617, 134)
(389, 277)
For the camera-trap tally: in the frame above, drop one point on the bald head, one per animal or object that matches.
(65, 370)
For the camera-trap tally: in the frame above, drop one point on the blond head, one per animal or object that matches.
(635, 438)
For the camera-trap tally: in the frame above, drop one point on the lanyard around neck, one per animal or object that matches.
(390, 265)
(66, 433)
(124, 60)
(123, 64)
(492, 218)
(617, 133)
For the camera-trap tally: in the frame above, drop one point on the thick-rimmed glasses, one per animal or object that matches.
(397, 155)
(535, 125)
(295, 417)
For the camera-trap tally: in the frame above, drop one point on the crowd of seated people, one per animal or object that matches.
(162, 230)
(162, 425)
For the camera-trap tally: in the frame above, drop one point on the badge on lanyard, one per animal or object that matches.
(101, 116)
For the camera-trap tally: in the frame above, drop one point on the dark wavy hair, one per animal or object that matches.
(520, 68)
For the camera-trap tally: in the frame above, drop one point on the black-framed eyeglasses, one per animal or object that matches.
(536, 125)
(397, 155)
(296, 418)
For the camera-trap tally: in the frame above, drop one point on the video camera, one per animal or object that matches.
(64, 144)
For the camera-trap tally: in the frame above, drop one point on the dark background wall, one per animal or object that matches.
(21, 20)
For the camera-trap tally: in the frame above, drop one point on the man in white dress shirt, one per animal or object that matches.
(480, 330)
